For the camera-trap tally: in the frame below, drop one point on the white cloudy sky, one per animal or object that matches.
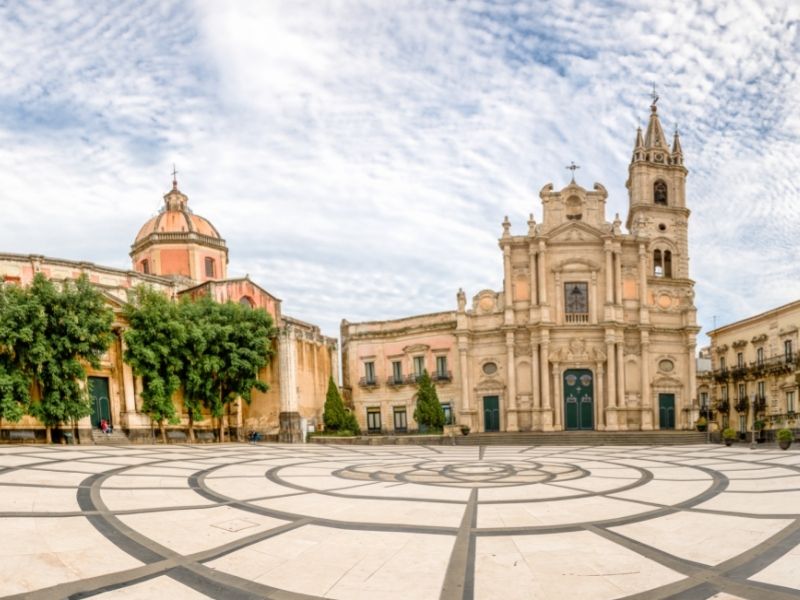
(359, 156)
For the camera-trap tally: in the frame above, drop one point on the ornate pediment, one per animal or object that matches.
(575, 231)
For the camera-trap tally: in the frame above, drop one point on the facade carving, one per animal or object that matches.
(574, 338)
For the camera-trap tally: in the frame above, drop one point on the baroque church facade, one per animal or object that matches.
(595, 327)
(178, 252)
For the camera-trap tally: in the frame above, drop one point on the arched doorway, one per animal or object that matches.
(578, 399)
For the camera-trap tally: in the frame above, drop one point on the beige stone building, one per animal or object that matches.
(754, 374)
(178, 252)
(594, 328)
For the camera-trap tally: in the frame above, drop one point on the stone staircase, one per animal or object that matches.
(116, 437)
(583, 438)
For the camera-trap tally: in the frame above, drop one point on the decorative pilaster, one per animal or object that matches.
(647, 406)
(558, 404)
(644, 317)
(464, 372)
(537, 399)
(609, 275)
(593, 299)
(547, 410)
(618, 277)
(511, 412)
(611, 400)
(509, 299)
(621, 380)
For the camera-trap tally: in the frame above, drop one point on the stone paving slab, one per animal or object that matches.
(361, 522)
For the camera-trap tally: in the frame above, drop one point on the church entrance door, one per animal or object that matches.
(578, 399)
(666, 411)
(491, 413)
(98, 392)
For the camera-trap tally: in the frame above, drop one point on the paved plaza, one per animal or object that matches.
(273, 521)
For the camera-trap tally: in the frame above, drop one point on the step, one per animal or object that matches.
(584, 438)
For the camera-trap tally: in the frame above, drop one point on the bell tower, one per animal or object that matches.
(657, 199)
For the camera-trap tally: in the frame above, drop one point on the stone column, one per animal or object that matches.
(544, 371)
(532, 275)
(643, 315)
(507, 291)
(542, 273)
(290, 430)
(537, 399)
(593, 308)
(511, 410)
(609, 275)
(466, 418)
(558, 407)
(647, 407)
(621, 381)
(693, 386)
(618, 277)
(558, 309)
(611, 401)
(599, 405)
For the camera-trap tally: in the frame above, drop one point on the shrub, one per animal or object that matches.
(728, 434)
(785, 435)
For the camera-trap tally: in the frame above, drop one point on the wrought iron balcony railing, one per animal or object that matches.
(443, 376)
(368, 382)
(392, 380)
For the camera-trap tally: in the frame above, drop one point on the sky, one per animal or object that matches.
(359, 156)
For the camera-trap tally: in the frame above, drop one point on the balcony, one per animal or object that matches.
(413, 378)
(443, 376)
(368, 382)
(721, 375)
(779, 364)
(739, 372)
(576, 318)
(741, 405)
(724, 407)
(759, 404)
(395, 381)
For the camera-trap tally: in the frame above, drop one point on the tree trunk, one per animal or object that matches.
(48, 432)
(191, 427)
(163, 431)
(221, 429)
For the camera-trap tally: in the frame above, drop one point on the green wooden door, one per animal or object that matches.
(98, 392)
(491, 413)
(666, 411)
(578, 399)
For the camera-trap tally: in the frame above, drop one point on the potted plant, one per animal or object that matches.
(785, 438)
(758, 427)
(465, 429)
(701, 424)
(728, 435)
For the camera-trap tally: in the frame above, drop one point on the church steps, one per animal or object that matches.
(584, 438)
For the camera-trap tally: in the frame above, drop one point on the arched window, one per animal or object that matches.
(210, 267)
(658, 265)
(660, 193)
(247, 301)
(667, 263)
(146, 266)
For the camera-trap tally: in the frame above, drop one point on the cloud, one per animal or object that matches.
(360, 156)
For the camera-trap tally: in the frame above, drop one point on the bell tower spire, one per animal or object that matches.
(657, 195)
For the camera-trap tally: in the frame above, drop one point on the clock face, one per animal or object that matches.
(577, 297)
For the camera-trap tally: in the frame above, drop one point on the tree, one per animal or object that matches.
(334, 414)
(155, 340)
(232, 344)
(21, 323)
(73, 327)
(428, 412)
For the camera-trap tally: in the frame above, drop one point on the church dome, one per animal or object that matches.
(177, 242)
(176, 217)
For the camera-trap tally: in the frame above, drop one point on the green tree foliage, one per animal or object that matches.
(73, 327)
(336, 416)
(334, 413)
(155, 339)
(428, 412)
(21, 326)
(228, 345)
